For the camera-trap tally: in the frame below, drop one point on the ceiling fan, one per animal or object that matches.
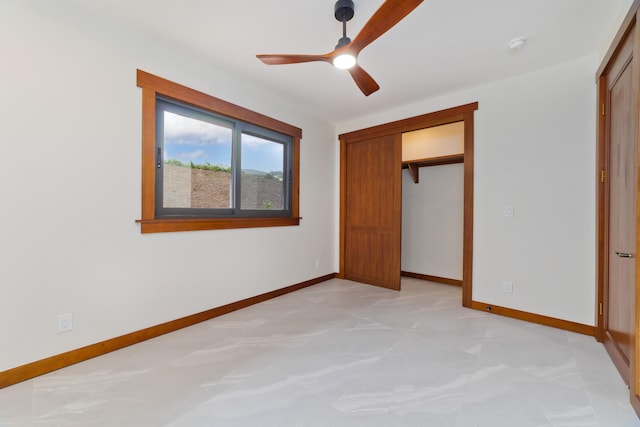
(345, 54)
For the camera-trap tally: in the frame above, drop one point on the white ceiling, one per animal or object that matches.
(441, 47)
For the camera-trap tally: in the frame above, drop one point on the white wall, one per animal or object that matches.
(535, 150)
(614, 26)
(70, 190)
(432, 221)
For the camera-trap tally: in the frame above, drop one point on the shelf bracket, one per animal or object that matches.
(414, 170)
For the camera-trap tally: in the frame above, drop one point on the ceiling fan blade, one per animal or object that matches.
(364, 81)
(292, 59)
(389, 14)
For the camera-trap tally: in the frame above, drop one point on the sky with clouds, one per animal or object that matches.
(191, 140)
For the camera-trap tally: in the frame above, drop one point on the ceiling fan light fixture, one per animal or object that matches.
(344, 61)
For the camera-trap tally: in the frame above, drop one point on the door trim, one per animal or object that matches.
(462, 113)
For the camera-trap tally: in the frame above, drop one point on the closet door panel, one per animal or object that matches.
(373, 211)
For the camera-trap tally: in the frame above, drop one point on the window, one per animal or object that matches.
(209, 164)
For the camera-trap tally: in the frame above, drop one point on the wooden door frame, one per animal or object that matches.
(462, 113)
(602, 194)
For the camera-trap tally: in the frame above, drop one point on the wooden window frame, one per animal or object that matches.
(153, 86)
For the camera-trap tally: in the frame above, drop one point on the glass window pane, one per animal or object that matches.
(197, 163)
(262, 167)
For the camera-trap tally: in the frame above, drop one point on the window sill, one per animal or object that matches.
(194, 224)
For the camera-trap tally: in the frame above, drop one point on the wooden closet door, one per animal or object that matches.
(620, 286)
(373, 211)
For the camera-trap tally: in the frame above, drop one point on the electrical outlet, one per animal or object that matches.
(65, 322)
(507, 287)
(317, 263)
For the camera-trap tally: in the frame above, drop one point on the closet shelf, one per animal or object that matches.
(415, 165)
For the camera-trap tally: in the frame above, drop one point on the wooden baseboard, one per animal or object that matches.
(436, 279)
(53, 363)
(619, 360)
(535, 318)
(635, 404)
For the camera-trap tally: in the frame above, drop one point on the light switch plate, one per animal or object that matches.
(507, 287)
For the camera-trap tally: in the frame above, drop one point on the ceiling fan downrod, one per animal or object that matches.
(343, 13)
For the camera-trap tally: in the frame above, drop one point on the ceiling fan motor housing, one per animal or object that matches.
(344, 10)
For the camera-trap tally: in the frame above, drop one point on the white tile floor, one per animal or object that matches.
(339, 354)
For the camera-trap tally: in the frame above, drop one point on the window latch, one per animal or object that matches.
(159, 159)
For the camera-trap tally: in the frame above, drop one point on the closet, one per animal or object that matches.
(371, 198)
(433, 203)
